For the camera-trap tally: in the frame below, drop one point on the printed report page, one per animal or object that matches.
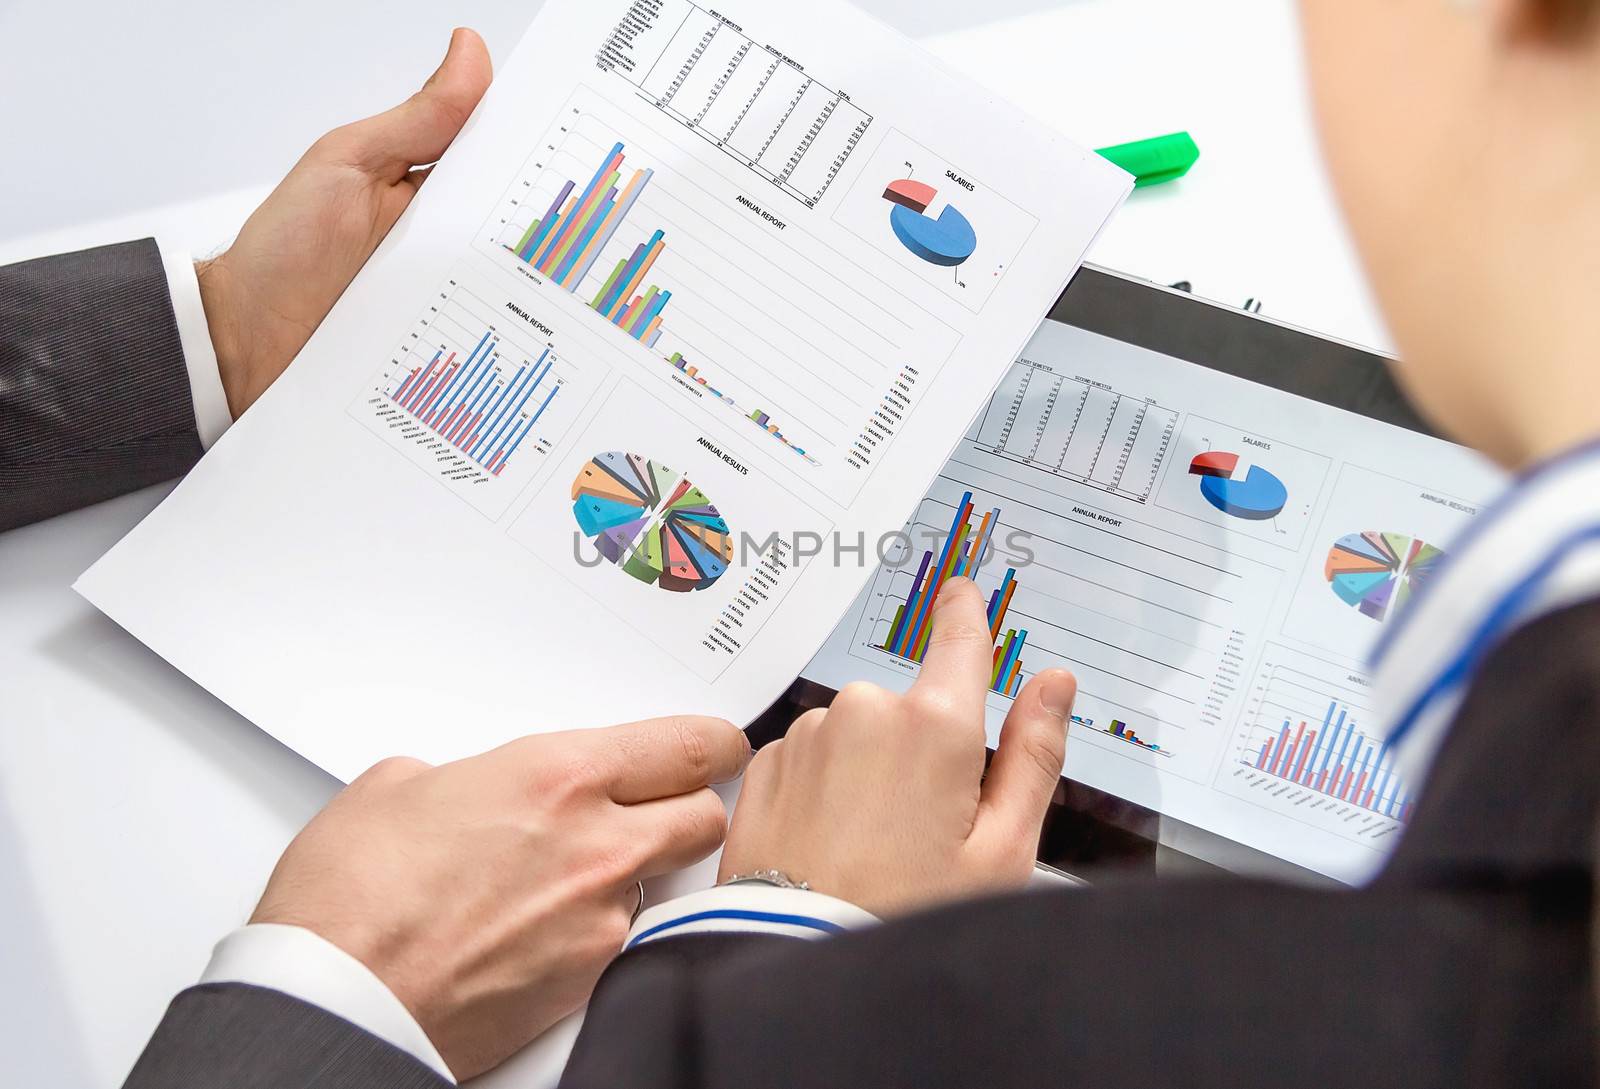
(1213, 558)
(696, 304)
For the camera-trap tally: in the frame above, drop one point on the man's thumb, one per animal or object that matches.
(1027, 762)
(417, 131)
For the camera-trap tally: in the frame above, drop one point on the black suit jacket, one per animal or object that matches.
(94, 392)
(1467, 963)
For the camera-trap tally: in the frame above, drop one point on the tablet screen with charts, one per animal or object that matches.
(1210, 518)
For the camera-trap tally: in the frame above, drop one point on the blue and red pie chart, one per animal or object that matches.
(1242, 491)
(947, 239)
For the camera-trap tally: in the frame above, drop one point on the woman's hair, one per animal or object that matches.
(1567, 16)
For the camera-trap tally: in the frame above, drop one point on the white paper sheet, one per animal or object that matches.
(1215, 560)
(386, 554)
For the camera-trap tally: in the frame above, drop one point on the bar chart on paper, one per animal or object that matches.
(473, 397)
(1308, 745)
(478, 405)
(574, 241)
(567, 239)
(638, 250)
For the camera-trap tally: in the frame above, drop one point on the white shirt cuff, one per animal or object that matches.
(303, 965)
(749, 908)
(211, 415)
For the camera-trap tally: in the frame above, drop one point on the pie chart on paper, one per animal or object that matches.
(1248, 492)
(1376, 573)
(651, 522)
(946, 240)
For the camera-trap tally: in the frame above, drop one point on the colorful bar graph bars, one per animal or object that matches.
(963, 553)
(1337, 760)
(474, 406)
(1122, 732)
(565, 242)
(757, 417)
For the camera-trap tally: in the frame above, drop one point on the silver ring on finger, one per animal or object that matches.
(640, 907)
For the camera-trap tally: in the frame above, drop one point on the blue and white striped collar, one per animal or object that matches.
(1535, 551)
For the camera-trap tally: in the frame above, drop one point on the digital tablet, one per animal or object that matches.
(1210, 518)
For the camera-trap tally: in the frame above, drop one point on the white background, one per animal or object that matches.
(139, 816)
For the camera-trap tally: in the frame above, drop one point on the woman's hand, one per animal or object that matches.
(881, 799)
(296, 254)
(489, 894)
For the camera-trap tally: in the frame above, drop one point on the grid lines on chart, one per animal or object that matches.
(750, 101)
(1080, 430)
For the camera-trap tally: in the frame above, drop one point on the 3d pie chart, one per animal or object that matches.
(651, 522)
(1255, 496)
(947, 240)
(1376, 573)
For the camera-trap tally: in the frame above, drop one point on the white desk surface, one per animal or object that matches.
(139, 816)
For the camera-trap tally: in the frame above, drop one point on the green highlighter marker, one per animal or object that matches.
(1151, 162)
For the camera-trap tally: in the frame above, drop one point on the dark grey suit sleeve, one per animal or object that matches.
(233, 1036)
(94, 392)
